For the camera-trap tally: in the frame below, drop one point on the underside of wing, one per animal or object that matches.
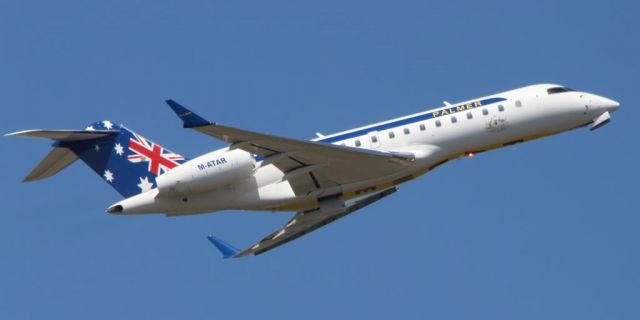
(302, 223)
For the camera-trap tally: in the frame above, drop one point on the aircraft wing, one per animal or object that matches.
(301, 224)
(308, 165)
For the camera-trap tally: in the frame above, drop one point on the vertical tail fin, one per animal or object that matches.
(126, 160)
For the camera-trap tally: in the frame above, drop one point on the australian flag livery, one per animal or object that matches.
(126, 160)
(158, 158)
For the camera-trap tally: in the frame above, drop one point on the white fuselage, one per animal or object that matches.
(434, 137)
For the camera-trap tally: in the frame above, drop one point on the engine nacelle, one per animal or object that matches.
(207, 172)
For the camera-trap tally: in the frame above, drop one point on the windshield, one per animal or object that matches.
(555, 90)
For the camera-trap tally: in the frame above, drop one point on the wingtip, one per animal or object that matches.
(227, 250)
(188, 117)
(176, 107)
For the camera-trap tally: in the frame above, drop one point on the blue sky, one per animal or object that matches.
(543, 230)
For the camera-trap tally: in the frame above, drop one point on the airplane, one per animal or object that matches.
(323, 179)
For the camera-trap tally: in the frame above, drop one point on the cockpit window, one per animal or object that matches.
(555, 90)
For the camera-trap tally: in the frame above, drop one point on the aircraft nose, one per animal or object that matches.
(613, 105)
(607, 104)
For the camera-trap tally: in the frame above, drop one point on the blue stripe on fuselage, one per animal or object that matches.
(420, 117)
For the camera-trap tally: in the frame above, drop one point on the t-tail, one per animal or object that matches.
(126, 160)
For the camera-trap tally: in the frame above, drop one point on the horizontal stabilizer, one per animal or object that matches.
(226, 249)
(60, 157)
(125, 160)
(64, 135)
(54, 162)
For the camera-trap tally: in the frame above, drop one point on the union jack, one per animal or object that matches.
(159, 158)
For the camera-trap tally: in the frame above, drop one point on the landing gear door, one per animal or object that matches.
(374, 140)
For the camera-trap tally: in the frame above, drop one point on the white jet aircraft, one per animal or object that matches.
(323, 179)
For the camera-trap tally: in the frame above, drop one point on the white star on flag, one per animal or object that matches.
(119, 149)
(97, 147)
(108, 175)
(90, 128)
(145, 185)
(107, 124)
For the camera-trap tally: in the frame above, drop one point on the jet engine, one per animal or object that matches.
(207, 172)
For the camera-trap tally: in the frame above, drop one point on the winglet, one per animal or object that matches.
(227, 250)
(189, 119)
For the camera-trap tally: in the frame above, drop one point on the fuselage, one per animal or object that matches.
(433, 137)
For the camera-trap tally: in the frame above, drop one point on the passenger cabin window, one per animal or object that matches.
(358, 143)
(500, 108)
(374, 139)
(438, 123)
(422, 127)
(469, 115)
(406, 130)
(555, 90)
(518, 103)
(454, 119)
(485, 112)
(391, 135)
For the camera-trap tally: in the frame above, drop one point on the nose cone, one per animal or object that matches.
(606, 104)
(612, 105)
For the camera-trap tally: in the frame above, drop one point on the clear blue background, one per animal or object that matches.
(544, 230)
